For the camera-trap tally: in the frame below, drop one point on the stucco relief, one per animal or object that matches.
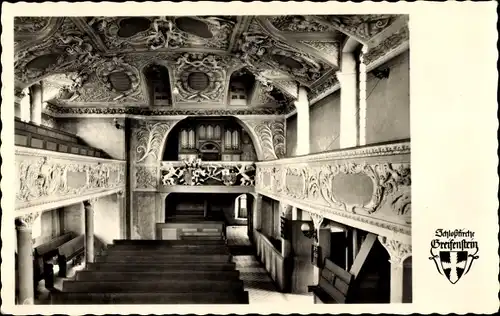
(387, 45)
(397, 250)
(271, 137)
(385, 185)
(45, 177)
(146, 177)
(149, 137)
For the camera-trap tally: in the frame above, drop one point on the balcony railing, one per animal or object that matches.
(367, 187)
(197, 172)
(46, 179)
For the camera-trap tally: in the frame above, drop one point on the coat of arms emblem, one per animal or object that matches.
(454, 252)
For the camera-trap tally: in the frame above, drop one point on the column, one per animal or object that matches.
(120, 196)
(317, 221)
(362, 97)
(257, 212)
(25, 258)
(89, 230)
(398, 252)
(18, 96)
(286, 238)
(303, 139)
(36, 99)
(348, 101)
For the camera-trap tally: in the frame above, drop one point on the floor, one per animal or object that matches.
(258, 283)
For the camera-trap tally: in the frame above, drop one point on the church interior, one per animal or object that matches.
(212, 159)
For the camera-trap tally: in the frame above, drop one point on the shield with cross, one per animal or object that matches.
(453, 264)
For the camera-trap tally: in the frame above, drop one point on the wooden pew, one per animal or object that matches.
(71, 251)
(42, 257)
(334, 285)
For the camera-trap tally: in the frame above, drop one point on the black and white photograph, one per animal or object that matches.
(218, 159)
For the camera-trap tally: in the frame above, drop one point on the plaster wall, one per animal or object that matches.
(74, 219)
(325, 123)
(388, 102)
(99, 133)
(107, 218)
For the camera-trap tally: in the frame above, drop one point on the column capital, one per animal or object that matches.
(25, 222)
(89, 203)
(286, 210)
(397, 250)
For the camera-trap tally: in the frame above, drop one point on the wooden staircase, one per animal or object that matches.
(157, 272)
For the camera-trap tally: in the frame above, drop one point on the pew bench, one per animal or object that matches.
(43, 257)
(334, 286)
(71, 252)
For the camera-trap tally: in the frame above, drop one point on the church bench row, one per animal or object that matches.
(60, 251)
(334, 286)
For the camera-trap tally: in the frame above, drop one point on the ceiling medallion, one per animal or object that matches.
(66, 49)
(119, 77)
(158, 33)
(193, 26)
(200, 78)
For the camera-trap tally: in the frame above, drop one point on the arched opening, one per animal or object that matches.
(209, 139)
(158, 85)
(241, 209)
(241, 84)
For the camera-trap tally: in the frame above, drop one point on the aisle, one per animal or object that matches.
(256, 280)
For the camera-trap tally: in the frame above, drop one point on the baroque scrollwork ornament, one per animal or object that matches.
(145, 177)
(150, 136)
(271, 137)
(213, 68)
(196, 172)
(397, 250)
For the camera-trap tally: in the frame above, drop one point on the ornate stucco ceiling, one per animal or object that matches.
(100, 62)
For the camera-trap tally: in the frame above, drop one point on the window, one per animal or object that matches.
(241, 207)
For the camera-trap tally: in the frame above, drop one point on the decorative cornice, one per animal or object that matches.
(396, 148)
(59, 111)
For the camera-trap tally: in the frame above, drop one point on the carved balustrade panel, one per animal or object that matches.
(197, 172)
(370, 184)
(44, 176)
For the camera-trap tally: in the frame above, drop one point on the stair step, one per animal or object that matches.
(194, 237)
(150, 298)
(179, 275)
(186, 258)
(153, 243)
(162, 286)
(159, 267)
(164, 252)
